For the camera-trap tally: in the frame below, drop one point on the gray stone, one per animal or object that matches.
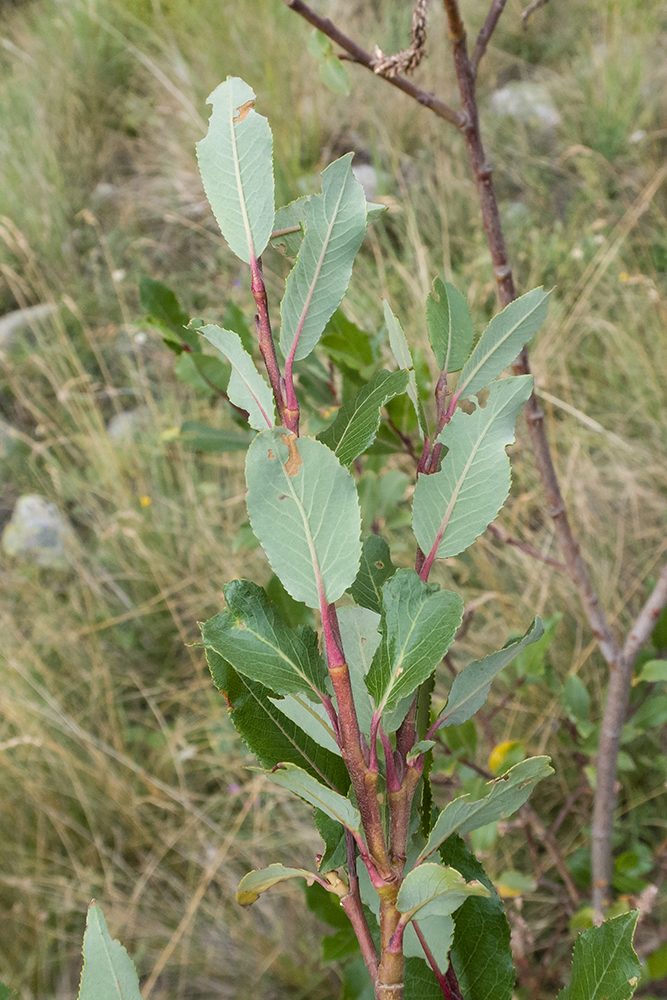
(21, 319)
(127, 425)
(530, 103)
(38, 533)
(367, 176)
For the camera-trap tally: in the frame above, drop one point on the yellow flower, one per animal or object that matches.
(145, 501)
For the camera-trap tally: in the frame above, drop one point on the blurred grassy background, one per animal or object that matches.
(120, 776)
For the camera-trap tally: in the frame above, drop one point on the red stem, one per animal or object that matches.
(437, 971)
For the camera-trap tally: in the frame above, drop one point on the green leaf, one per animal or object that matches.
(357, 422)
(346, 345)
(419, 622)
(502, 340)
(255, 883)
(438, 932)
(576, 699)
(652, 672)
(253, 638)
(433, 891)
(375, 569)
(335, 848)
(401, 352)
(303, 507)
(531, 661)
(374, 210)
(310, 716)
(420, 982)
(450, 327)
(108, 971)
(268, 734)
(246, 388)
(419, 748)
(472, 685)
(319, 45)
(604, 965)
(301, 783)
(5, 992)
(233, 319)
(161, 304)
(292, 612)
(236, 165)
(334, 75)
(335, 225)
(216, 373)
(453, 507)
(287, 217)
(201, 437)
(481, 954)
(506, 796)
(360, 637)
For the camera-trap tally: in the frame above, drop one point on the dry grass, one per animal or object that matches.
(121, 776)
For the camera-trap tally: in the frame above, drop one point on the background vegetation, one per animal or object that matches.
(121, 777)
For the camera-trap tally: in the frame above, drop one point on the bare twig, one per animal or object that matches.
(502, 536)
(530, 10)
(353, 907)
(615, 712)
(486, 31)
(362, 57)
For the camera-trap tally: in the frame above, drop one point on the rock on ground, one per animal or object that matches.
(38, 533)
(530, 103)
(21, 319)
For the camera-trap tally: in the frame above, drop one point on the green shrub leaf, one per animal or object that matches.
(162, 305)
(360, 637)
(420, 982)
(433, 891)
(201, 437)
(357, 422)
(375, 569)
(287, 217)
(419, 622)
(267, 732)
(256, 641)
(455, 505)
(450, 327)
(481, 954)
(246, 388)
(236, 165)
(403, 357)
(303, 507)
(335, 224)
(311, 716)
(255, 883)
(334, 75)
(502, 340)
(506, 796)
(335, 806)
(108, 971)
(472, 685)
(333, 835)
(605, 965)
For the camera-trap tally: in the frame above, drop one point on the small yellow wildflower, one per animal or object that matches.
(145, 501)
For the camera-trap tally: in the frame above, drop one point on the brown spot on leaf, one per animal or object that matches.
(379, 564)
(363, 641)
(467, 406)
(294, 462)
(271, 455)
(243, 111)
(483, 397)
